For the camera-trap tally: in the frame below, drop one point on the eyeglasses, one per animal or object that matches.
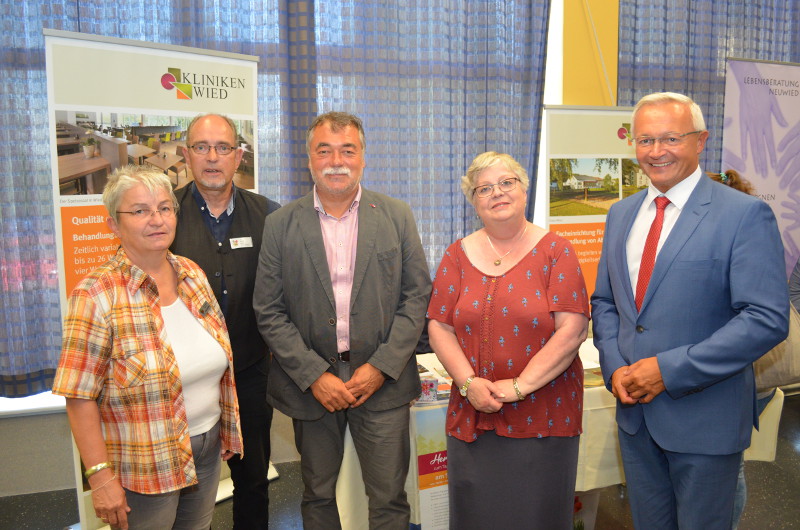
(669, 140)
(167, 212)
(204, 149)
(505, 186)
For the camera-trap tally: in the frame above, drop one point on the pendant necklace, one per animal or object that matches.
(500, 258)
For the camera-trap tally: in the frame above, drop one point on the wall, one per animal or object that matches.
(37, 454)
(591, 33)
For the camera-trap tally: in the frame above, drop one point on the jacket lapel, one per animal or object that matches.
(620, 249)
(693, 212)
(367, 232)
(315, 246)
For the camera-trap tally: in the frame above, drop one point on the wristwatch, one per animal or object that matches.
(463, 388)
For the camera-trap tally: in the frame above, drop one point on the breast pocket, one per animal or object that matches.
(130, 366)
(389, 266)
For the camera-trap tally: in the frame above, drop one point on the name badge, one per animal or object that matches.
(241, 242)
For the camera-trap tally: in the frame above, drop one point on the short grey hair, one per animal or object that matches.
(660, 98)
(337, 122)
(486, 160)
(200, 117)
(126, 177)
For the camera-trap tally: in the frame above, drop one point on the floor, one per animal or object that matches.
(773, 489)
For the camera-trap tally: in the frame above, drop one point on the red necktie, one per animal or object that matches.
(649, 254)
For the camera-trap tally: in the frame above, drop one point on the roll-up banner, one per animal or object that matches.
(112, 102)
(591, 164)
(761, 139)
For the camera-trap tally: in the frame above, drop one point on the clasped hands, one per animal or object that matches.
(335, 394)
(640, 382)
(489, 396)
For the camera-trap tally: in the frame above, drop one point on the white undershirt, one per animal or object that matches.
(201, 362)
(677, 195)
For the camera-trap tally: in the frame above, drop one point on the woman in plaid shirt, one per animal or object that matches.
(147, 371)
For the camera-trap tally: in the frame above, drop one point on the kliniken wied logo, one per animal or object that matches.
(623, 133)
(170, 81)
(190, 85)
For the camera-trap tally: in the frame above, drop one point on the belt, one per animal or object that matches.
(344, 356)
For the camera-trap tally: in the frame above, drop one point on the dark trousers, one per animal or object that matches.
(249, 474)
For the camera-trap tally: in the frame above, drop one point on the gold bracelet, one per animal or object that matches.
(94, 469)
(104, 484)
(516, 389)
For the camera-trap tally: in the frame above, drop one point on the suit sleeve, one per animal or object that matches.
(301, 363)
(392, 356)
(605, 315)
(759, 297)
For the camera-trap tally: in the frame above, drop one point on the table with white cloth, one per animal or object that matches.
(599, 459)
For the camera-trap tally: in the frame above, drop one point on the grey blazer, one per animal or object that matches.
(295, 309)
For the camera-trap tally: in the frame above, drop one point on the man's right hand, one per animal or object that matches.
(619, 391)
(331, 392)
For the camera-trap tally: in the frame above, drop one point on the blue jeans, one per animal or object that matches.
(190, 508)
(741, 486)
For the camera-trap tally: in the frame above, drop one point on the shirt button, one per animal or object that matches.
(332, 360)
(225, 291)
(219, 244)
(217, 274)
(332, 322)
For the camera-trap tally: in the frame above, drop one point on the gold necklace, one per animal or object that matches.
(500, 258)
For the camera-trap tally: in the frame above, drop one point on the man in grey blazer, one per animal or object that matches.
(341, 293)
(677, 344)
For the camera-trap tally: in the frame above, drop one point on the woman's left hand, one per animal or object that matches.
(227, 455)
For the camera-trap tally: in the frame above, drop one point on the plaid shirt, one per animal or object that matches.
(115, 351)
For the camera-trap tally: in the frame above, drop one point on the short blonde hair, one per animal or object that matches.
(486, 160)
(126, 177)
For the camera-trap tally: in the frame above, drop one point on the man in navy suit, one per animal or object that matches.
(678, 356)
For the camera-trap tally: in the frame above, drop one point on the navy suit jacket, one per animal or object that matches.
(716, 302)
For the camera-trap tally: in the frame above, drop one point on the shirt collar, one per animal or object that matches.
(679, 193)
(138, 277)
(321, 209)
(201, 202)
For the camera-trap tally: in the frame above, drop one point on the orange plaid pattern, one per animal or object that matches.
(115, 351)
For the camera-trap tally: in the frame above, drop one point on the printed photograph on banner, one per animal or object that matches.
(633, 178)
(583, 186)
(91, 144)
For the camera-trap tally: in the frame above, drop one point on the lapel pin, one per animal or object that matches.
(372, 205)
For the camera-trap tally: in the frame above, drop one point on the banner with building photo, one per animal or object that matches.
(591, 164)
(115, 101)
(761, 139)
